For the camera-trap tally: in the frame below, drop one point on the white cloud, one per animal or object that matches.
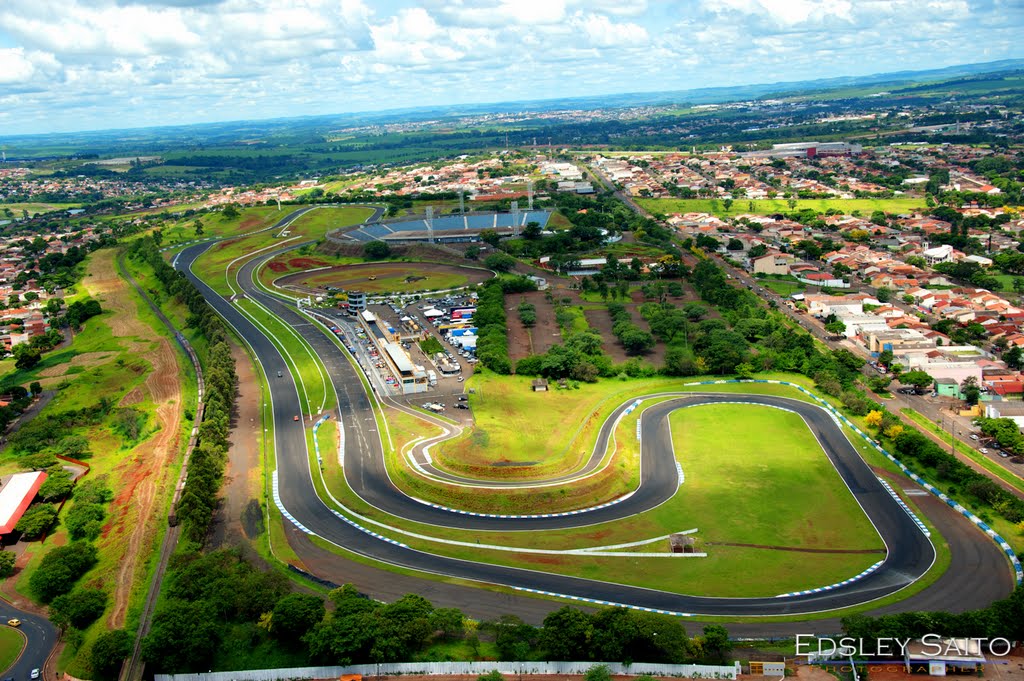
(19, 66)
(85, 63)
(599, 31)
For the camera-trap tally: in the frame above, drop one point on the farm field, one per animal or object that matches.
(388, 277)
(770, 206)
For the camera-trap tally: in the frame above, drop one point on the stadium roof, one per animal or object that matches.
(16, 496)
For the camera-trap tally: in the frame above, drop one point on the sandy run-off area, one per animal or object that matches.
(144, 479)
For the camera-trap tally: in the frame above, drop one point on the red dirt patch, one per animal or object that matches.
(277, 266)
(249, 222)
(538, 340)
(305, 263)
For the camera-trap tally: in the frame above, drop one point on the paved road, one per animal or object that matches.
(41, 635)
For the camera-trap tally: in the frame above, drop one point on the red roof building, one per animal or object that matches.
(16, 495)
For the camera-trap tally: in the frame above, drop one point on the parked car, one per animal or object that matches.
(462, 405)
(984, 451)
(974, 436)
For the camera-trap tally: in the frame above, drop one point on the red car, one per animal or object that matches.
(295, 418)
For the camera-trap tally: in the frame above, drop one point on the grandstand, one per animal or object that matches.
(446, 228)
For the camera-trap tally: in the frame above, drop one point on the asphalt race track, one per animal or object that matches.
(910, 554)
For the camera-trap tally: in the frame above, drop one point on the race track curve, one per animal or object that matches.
(909, 556)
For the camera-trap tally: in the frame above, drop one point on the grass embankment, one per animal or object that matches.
(115, 357)
(211, 265)
(215, 224)
(390, 277)
(312, 381)
(771, 206)
(12, 642)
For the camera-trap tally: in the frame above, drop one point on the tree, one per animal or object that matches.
(490, 237)
(600, 672)
(917, 378)
(377, 250)
(78, 609)
(884, 294)
(109, 652)
(7, 559)
(873, 419)
(36, 520)
(499, 262)
(35, 388)
(26, 357)
(744, 370)
(472, 252)
(836, 328)
(970, 390)
(1014, 357)
(716, 643)
(566, 634)
(879, 383)
(885, 357)
(184, 636)
(61, 568)
(58, 485)
(636, 340)
(296, 614)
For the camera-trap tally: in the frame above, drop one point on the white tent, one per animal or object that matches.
(432, 312)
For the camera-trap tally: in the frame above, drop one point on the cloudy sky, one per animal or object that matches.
(94, 64)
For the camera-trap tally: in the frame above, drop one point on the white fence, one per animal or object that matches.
(689, 671)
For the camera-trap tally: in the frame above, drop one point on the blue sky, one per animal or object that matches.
(70, 65)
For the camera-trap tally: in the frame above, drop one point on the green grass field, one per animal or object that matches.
(12, 642)
(782, 286)
(771, 473)
(210, 266)
(17, 209)
(770, 206)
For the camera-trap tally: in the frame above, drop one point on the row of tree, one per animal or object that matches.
(217, 602)
(492, 329)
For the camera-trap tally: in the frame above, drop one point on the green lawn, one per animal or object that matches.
(210, 266)
(770, 206)
(783, 287)
(770, 473)
(1005, 281)
(12, 642)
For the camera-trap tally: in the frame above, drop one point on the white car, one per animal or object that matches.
(974, 436)
(34, 674)
(984, 451)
